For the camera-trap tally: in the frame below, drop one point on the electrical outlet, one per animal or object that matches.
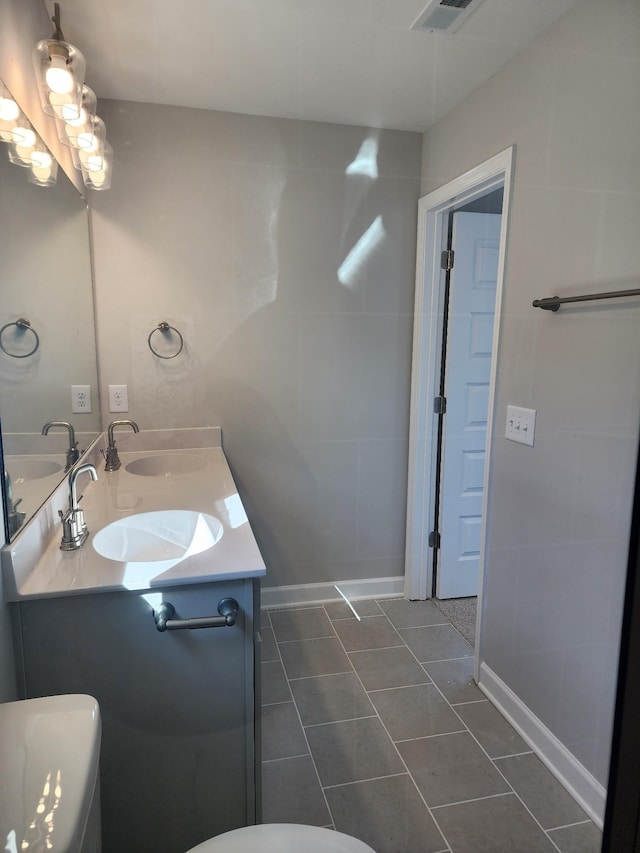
(118, 398)
(521, 425)
(81, 399)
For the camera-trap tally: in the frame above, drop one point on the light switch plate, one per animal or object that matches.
(521, 425)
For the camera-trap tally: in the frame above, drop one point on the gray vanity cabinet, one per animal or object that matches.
(180, 744)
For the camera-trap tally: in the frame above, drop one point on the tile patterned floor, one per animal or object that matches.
(374, 727)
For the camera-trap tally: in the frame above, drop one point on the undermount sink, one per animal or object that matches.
(165, 465)
(163, 538)
(29, 468)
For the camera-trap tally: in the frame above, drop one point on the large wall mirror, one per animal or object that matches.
(47, 342)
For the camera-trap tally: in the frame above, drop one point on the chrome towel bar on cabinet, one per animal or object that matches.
(163, 616)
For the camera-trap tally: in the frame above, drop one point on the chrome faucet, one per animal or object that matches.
(112, 460)
(74, 528)
(73, 454)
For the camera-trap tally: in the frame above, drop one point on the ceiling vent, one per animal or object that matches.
(445, 16)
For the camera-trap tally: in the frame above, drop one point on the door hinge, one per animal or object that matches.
(439, 405)
(446, 259)
(434, 539)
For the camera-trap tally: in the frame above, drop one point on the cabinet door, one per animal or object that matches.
(177, 708)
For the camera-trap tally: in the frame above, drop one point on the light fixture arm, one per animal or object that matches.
(55, 20)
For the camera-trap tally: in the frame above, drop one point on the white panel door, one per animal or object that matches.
(476, 242)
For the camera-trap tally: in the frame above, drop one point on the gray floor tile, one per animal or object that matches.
(275, 687)
(374, 632)
(549, 802)
(341, 610)
(494, 825)
(455, 679)
(304, 658)
(282, 735)
(352, 751)
(387, 814)
(495, 734)
(304, 624)
(412, 614)
(584, 838)
(451, 768)
(330, 698)
(291, 793)
(439, 642)
(412, 712)
(269, 645)
(396, 667)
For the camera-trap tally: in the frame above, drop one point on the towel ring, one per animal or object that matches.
(165, 329)
(23, 326)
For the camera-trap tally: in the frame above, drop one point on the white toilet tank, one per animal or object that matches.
(50, 793)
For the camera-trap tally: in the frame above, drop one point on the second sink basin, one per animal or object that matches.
(165, 464)
(22, 468)
(164, 537)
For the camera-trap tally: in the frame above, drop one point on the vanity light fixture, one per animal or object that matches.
(60, 71)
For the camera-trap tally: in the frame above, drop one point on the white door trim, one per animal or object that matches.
(432, 210)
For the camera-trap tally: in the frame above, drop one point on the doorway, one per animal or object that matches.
(457, 315)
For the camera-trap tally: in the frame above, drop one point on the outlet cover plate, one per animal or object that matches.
(118, 398)
(81, 399)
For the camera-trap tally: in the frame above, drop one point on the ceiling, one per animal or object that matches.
(344, 61)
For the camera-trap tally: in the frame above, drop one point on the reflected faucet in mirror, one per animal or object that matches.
(74, 527)
(15, 518)
(112, 460)
(73, 454)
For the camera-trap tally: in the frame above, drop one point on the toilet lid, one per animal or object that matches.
(281, 838)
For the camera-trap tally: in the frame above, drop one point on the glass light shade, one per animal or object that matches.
(91, 137)
(44, 168)
(97, 167)
(70, 124)
(60, 69)
(90, 140)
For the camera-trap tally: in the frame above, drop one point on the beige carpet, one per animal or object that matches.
(461, 612)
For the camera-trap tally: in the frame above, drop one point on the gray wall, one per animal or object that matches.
(233, 229)
(559, 512)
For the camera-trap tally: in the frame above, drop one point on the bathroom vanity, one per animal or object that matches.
(181, 737)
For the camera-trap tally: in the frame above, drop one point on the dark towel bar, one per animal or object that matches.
(552, 303)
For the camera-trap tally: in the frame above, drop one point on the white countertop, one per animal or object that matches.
(35, 567)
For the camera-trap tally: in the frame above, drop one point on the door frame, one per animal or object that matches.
(433, 210)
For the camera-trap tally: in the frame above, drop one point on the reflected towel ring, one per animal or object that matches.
(165, 329)
(22, 326)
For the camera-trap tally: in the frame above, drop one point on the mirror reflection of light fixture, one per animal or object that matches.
(44, 167)
(59, 68)
(9, 114)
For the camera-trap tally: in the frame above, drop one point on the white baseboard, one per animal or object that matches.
(580, 783)
(319, 593)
